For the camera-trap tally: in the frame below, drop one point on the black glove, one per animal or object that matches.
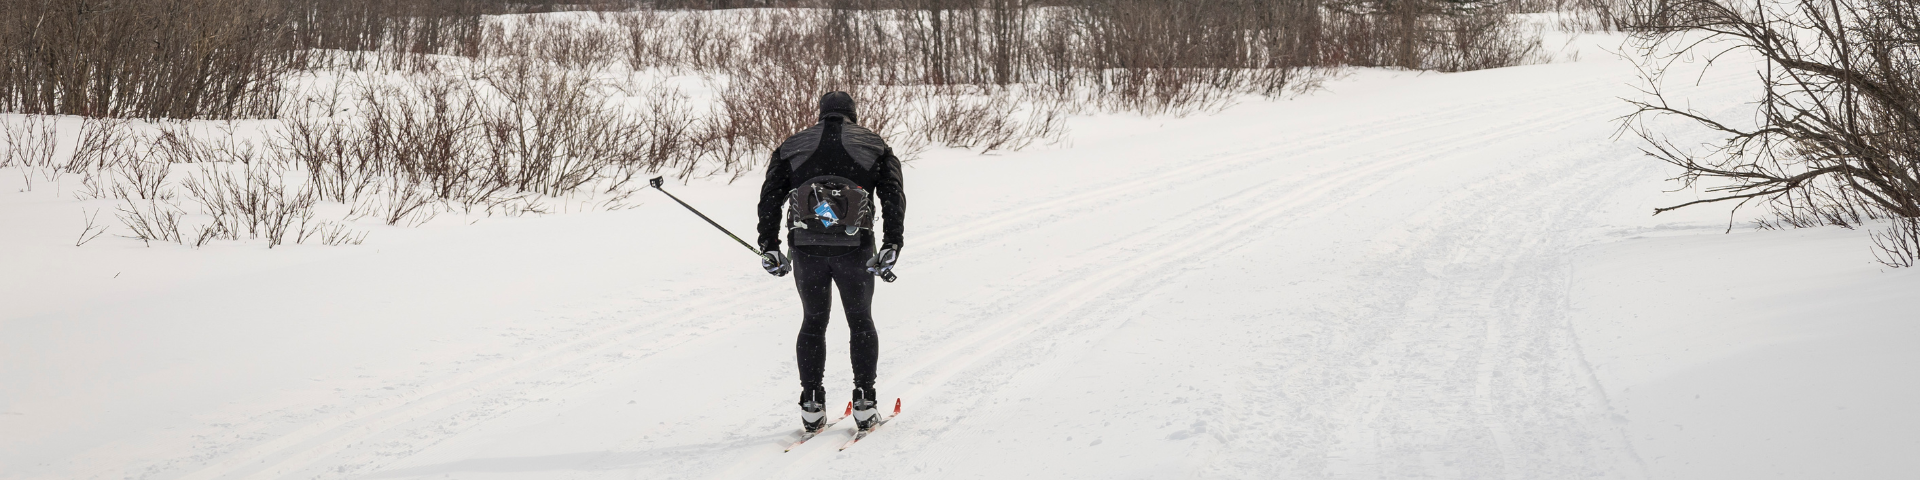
(775, 262)
(882, 262)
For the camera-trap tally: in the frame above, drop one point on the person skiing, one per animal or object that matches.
(824, 178)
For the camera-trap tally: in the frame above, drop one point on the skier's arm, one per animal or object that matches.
(773, 199)
(891, 189)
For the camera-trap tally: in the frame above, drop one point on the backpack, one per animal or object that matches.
(829, 210)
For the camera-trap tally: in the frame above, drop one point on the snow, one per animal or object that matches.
(1791, 369)
(1402, 275)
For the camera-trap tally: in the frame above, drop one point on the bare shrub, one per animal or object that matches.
(91, 229)
(990, 120)
(255, 202)
(31, 142)
(339, 168)
(1899, 245)
(332, 233)
(1838, 115)
(150, 220)
(553, 130)
(421, 134)
(1154, 57)
(1482, 39)
(1837, 136)
(94, 184)
(644, 47)
(399, 203)
(585, 45)
(1595, 15)
(667, 135)
(705, 44)
(103, 143)
(682, 41)
(1440, 35)
(176, 142)
(142, 180)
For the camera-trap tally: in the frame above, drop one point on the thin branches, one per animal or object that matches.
(1836, 134)
(91, 229)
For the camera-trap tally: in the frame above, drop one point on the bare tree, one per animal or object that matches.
(1837, 137)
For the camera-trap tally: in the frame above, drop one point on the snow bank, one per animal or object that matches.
(1772, 354)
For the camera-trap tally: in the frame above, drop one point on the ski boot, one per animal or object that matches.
(813, 409)
(866, 411)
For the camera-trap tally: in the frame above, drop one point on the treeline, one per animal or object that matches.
(144, 58)
(206, 58)
(223, 58)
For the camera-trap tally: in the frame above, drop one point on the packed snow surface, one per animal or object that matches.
(1402, 275)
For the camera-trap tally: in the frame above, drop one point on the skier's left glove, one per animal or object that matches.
(775, 262)
(882, 262)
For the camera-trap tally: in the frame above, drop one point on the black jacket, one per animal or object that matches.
(833, 147)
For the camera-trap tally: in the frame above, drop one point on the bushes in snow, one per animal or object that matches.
(151, 58)
(402, 111)
(234, 189)
(225, 59)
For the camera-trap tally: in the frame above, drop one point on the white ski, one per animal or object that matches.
(862, 434)
(806, 435)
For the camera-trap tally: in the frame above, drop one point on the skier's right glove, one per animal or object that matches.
(882, 263)
(775, 262)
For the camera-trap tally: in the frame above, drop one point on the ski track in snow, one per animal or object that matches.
(1426, 336)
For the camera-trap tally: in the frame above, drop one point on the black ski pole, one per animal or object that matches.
(656, 186)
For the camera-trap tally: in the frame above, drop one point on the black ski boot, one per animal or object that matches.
(813, 408)
(866, 411)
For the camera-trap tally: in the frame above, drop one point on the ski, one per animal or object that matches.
(806, 435)
(862, 434)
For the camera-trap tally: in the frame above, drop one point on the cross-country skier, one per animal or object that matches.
(825, 179)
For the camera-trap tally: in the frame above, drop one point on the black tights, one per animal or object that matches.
(813, 274)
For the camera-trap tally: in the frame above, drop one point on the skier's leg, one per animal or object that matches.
(812, 276)
(856, 299)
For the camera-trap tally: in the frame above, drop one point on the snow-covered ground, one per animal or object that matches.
(1401, 276)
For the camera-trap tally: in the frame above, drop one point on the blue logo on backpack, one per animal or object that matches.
(826, 213)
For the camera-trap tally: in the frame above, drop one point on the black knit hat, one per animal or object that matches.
(838, 103)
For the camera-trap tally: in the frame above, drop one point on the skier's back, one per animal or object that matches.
(821, 178)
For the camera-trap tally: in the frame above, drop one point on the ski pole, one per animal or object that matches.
(656, 186)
